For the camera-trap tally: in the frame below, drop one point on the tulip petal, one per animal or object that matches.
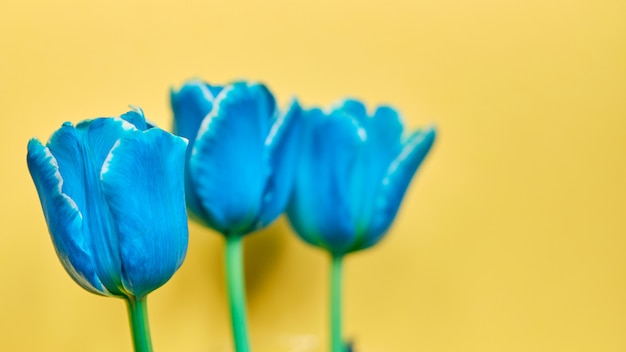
(191, 104)
(99, 135)
(383, 144)
(66, 146)
(65, 221)
(319, 209)
(398, 177)
(228, 166)
(142, 179)
(355, 108)
(80, 153)
(385, 130)
(136, 118)
(282, 145)
(359, 185)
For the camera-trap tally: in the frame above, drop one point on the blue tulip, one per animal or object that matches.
(112, 194)
(240, 159)
(239, 171)
(352, 175)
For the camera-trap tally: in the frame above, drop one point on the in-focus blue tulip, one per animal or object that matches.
(112, 193)
(239, 170)
(352, 175)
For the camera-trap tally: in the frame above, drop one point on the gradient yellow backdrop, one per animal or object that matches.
(511, 238)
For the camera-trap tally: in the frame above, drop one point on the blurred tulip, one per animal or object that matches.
(112, 195)
(241, 154)
(240, 167)
(351, 177)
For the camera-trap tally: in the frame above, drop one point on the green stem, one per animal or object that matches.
(236, 292)
(336, 341)
(140, 329)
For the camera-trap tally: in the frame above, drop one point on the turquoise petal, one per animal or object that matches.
(283, 147)
(385, 131)
(319, 209)
(353, 107)
(383, 144)
(136, 118)
(65, 221)
(228, 166)
(191, 104)
(143, 182)
(80, 153)
(395, 183)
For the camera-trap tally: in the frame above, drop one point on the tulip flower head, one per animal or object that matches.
(353, 171)
(240, 160)
(239, 171)
(352, 175)
(112, 194)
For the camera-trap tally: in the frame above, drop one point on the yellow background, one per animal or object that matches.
(512, 237)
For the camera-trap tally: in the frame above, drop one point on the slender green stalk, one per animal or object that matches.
(140, 329)
(236, 292)
(336, 341)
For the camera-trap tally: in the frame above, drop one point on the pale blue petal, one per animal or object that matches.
(80, 153)
(63, 217)
(319, 209)
(228, 167)
(191, 104)
(283, 147)
(398, 177)
(143, 182)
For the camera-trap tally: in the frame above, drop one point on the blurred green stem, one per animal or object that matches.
(236, 292)
(336, 341)
(140, 329)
